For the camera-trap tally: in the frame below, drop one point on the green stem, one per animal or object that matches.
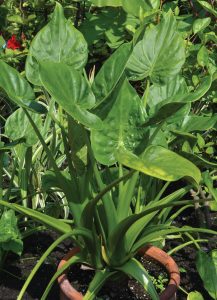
(146, 94)
(180, 247)
(193, 240)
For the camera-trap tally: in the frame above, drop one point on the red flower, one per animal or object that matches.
(13, 43)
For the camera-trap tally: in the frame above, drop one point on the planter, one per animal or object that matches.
(67, 292)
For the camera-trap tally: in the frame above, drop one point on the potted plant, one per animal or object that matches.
(124, 145)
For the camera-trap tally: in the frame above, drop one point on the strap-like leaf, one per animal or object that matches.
(135, 269)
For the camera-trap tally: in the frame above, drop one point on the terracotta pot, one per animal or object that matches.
(67, 292)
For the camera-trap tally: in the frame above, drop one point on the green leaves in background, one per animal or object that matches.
(71, 90)
(139, 7)
(58, 41)
(102, 3)
(203, 57)
(208, 7)
(207, 268)
(10, 238)
(18, 89)
(111, 72)
(200, 24)
(199, 123)
(160, 54)
(18, 127)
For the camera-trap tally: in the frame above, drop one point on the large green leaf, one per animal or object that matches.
(18, 126)
(207, 268)
(111, 72)
(121, 125)
(160, 54)
(17, 88)
(139, 6)
(58, 41)
(135, 269)
(71, 90)
(160, 162)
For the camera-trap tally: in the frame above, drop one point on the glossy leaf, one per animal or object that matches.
(160, 54)
(201, 24)
(207, 268)
(136, 270)
(18, 89)
(58, 41)
(138, 7)
(71, 90)
(111, 72)
(18, 127)
(159, 162)
(121, 125)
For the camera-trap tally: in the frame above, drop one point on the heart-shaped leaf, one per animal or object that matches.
(121, 124)
(18, 126)
(18, 89)
(71, 90)
(160, 54)
(58, 41)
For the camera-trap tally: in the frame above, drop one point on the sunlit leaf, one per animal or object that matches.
(160, 54)
(58, 41)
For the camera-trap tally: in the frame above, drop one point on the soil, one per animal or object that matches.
(16, 270)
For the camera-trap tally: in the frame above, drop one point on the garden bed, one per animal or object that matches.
(16, 270)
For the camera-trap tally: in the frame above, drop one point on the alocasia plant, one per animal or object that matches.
(123, 136)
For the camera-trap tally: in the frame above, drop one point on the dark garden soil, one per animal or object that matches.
(16, 270)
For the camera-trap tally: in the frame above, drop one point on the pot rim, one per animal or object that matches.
(68, 292)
